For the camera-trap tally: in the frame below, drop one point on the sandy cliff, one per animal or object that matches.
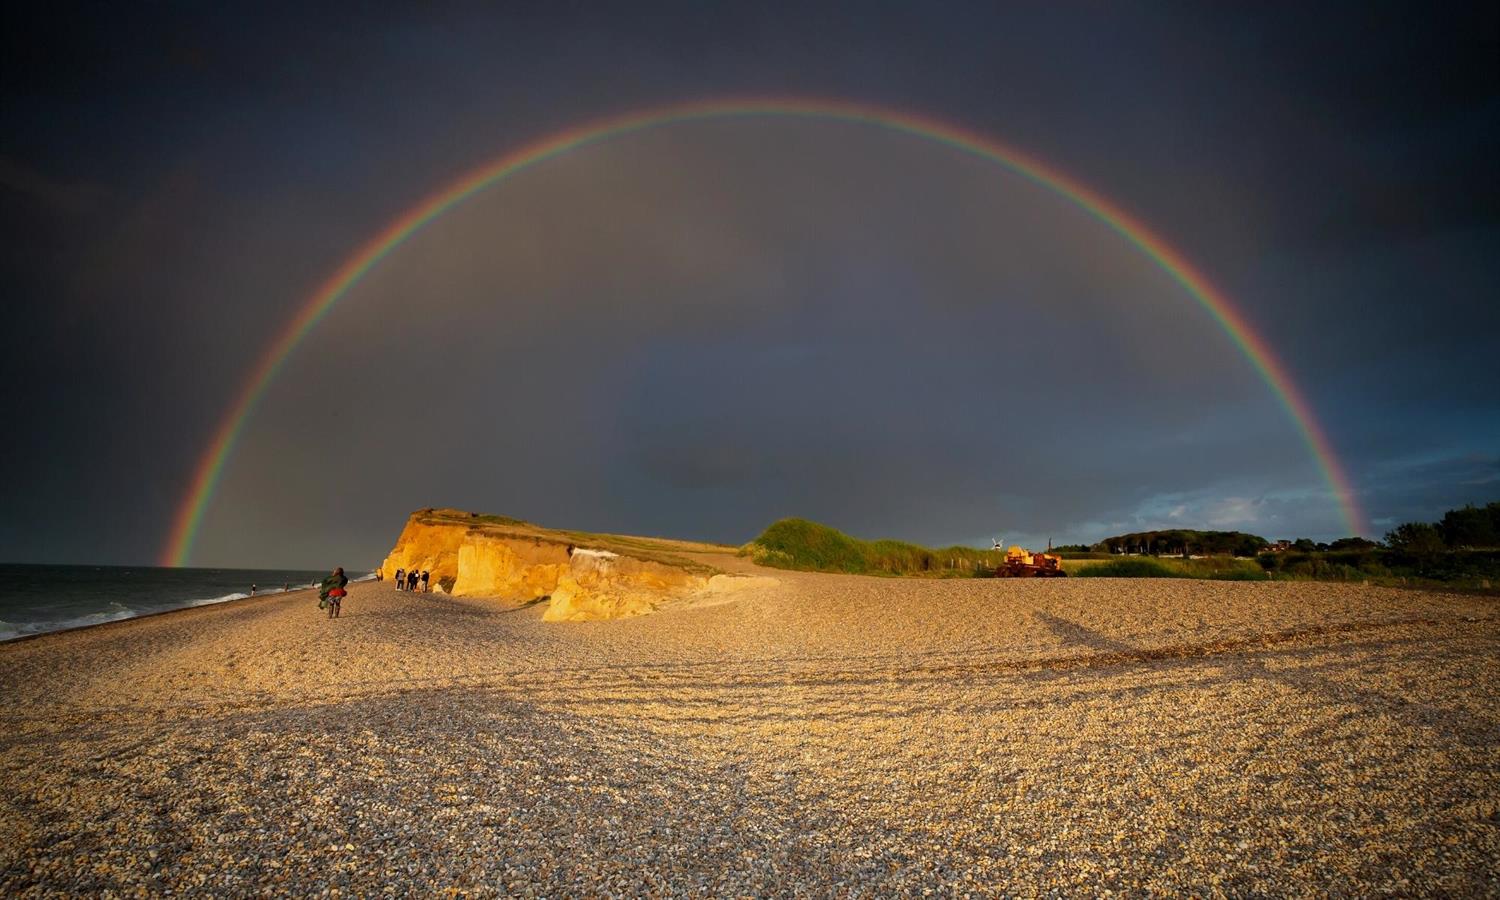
(603, 585)
(585, 576)
(512, 567)
(427, 546)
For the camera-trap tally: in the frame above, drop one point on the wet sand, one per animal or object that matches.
(826, 735)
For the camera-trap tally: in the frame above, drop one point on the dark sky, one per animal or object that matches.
(698, 329)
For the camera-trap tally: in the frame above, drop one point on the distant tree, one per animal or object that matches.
(1353, 543)
(1416, 537)
(1304, 545)
(1248, 545)
(1471, 526)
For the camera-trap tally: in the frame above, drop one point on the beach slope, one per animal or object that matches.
(815, 733)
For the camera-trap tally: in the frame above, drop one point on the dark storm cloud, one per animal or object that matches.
(693, 330)
(698, 331)
(1405, 490)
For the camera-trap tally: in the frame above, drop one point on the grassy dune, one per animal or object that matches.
(1218, 568)
(813, 547)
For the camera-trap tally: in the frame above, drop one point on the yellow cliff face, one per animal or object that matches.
(604, 585)
(469, 555)
(430, 548)
(515, 569)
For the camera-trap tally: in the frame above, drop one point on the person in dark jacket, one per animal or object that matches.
(411, 580)
(331, 591)
(424, 581)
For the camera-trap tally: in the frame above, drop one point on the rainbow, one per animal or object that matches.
(210, 467)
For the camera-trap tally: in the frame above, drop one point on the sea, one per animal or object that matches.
(38, 598)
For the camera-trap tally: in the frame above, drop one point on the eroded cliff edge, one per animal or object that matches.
(585, 576)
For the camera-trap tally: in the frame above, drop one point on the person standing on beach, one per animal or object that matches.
(424, 581)
(331, 592)
(400, 579)
(411, 580)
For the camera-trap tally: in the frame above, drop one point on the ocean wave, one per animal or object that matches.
(240, 595)
(210, 600)
(117, 611)
(30, 617)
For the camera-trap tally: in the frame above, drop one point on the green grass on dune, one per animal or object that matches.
(1217, 568)
(810, 546)
(1130, 567)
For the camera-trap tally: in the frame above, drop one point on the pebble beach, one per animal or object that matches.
(819, 735)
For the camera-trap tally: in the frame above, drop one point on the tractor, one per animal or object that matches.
(1022, 563)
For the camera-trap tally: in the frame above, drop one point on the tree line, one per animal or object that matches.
(1469, 528)
(1185, 542)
